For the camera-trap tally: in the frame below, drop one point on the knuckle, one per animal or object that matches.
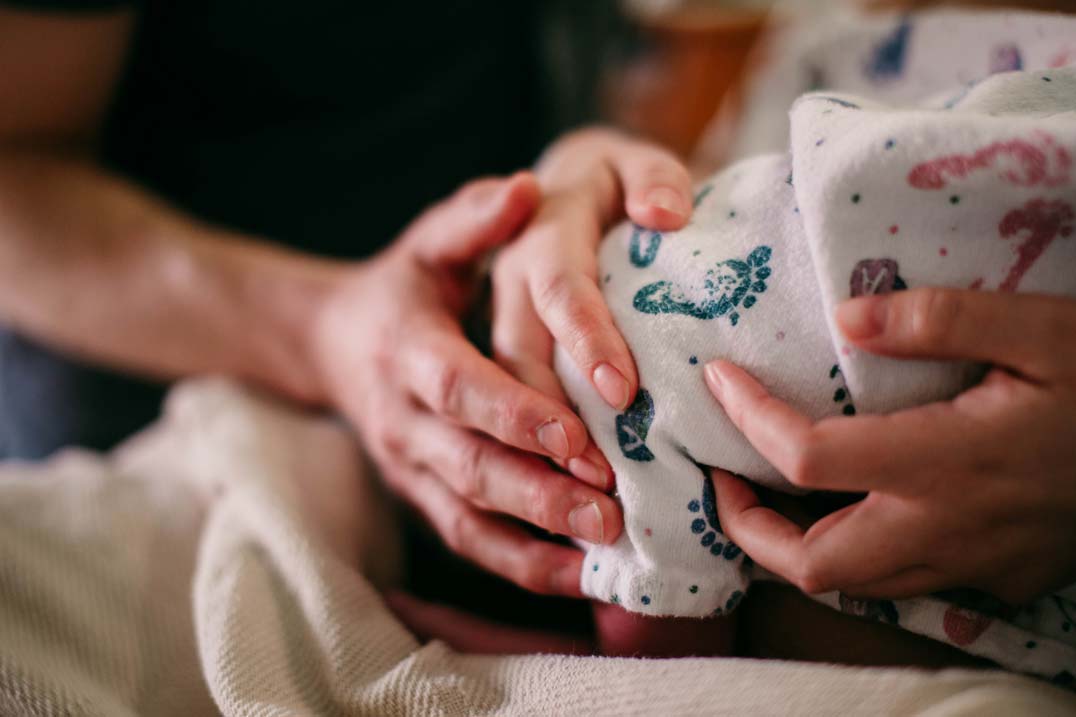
(583, 317)
(807, 464)
(532, 579)
(471, 469)
(576, 315)
(552, 288)
(510, 417)
(456, 530)
(664, 168)
(541, 499)
(932, 316)
(444, 390)
(383, 346)
(532, 570)
(809, 580)
(393, 441)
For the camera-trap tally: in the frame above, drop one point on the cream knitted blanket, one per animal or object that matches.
(225, 561)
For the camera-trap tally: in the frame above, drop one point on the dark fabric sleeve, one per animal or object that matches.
(68, 6)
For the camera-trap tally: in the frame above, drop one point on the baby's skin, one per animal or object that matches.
(774, 621)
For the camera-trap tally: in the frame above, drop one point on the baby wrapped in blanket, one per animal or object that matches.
(974, 190)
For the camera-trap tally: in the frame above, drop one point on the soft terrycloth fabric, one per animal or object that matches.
(973, 189)
(736, 283)
(893, 58)
(977, 192)
(224, 562)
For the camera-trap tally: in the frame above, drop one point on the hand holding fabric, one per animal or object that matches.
(979, 491)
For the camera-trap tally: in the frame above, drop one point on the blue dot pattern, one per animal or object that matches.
(708, 526)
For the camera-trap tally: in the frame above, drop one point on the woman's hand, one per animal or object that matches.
(453, 433)
(546, 283)
(978, 492)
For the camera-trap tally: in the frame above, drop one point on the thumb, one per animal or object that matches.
(479, 216)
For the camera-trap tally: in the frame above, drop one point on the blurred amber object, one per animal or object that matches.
(693, 59)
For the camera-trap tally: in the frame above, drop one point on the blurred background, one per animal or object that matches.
(663, 67)
(686, 59)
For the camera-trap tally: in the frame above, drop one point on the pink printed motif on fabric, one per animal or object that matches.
(1063, 58)
(1039, 222)
(1026, 163)
(964, 627)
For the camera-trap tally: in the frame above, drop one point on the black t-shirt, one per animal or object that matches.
(323, 125)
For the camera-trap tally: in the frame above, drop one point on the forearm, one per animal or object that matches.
(96, 267)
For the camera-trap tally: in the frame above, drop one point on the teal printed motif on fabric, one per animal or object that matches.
(732, 285)
(640, 255)
(633, 425)
(708, 526)
(837, 101)
(702, 195)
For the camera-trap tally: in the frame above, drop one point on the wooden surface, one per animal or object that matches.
(692, 60)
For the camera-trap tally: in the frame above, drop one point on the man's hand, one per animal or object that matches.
(455, 434)
(979, 491)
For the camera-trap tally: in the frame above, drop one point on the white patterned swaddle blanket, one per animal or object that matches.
(977, 190)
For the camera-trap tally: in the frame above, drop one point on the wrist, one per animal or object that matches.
(285, 292)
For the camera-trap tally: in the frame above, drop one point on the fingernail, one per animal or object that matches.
(612, 385)
(586, 522)
(862, 318)
(667, 199)
(713, 378)
(586, 471)
(553, 438)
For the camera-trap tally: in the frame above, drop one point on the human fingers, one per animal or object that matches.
(590, 466)
(1034, 335)
(566, 298)
(852, 546)
(523, 346)
(769, 538)
(478, 217)
(450, 376)
(494, 477)
(657, 186)
(840, 453)
(490, 541)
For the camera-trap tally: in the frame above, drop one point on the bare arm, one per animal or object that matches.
(93, 265)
